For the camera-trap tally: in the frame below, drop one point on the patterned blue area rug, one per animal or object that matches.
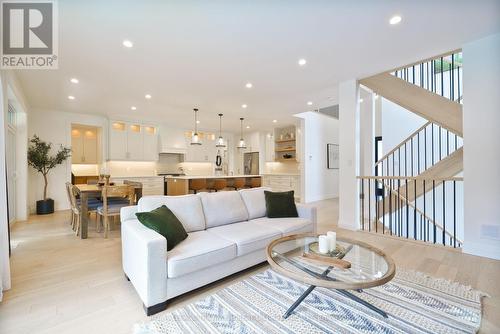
(415, 303)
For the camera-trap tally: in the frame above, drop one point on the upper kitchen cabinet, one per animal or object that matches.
(84, 144)
(132, 141)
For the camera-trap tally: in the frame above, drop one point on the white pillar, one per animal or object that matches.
(481, 120)
(349, 154)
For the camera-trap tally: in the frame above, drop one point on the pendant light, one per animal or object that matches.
(241, 144)
(220, 141)
(195, 138)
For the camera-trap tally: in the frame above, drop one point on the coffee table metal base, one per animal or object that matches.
(344, 292)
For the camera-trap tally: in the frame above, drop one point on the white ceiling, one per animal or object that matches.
(200, 53)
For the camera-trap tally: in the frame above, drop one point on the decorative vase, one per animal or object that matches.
(44, 207)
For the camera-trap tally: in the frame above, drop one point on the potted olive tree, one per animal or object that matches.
(40, 158)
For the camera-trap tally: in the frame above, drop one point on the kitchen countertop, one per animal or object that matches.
(135, 177)
(281, 174)
(190, 177)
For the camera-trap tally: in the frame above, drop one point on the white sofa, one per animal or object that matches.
(228, 231)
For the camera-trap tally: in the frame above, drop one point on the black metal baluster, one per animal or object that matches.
(411, 157)
(362, 205)
(433, 73)
(407, 213)
(406, 167)
(432, 143)
(440, 135)
(447, 142)
(418, 153)
(415, 210)
(413, 76)
(383, 206)
(444, 212)
(399, 204)
(390, 203)
(425, 148)
(427, 72)
(369, 205)
(442, 77)
(423, 181)
(452, 74)
(454, 214)
(376, 206)
(434, 208)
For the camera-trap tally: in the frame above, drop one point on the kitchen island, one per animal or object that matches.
(179, 185)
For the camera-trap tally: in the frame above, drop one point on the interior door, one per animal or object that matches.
(11, 173)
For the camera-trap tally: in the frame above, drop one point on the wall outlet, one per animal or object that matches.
(490, 231)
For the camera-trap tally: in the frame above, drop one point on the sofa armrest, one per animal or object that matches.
(309, 212)
(128, 213)
(144, 257)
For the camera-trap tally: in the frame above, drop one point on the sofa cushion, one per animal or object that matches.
(286, 226)
(186, 208)
(163, 221)
(280, 204)
(224, 207)
(248, 236)
(199, 250)
(255, 201)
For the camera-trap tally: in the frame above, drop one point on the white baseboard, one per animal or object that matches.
(320, 197)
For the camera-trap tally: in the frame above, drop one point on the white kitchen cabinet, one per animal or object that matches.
(205, 152)
(270, 154)
(150, 138)
(283, 183)
(84, 145)
(132, 141)
(135, 142)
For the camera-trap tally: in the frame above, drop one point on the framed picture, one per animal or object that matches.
(332, 156)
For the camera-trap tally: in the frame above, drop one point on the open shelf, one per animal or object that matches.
(286, 150)
(285, 141)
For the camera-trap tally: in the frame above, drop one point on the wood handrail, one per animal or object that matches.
(452, 178)
(402, 143)
(425, 60)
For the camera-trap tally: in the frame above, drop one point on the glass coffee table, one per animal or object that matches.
(354, 265)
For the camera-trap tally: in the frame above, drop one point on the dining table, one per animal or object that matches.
(86, 191)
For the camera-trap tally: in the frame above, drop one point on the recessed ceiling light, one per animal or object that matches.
(74, 80)
(248, 126)
(248, 85)
(302, 62)
(71, 97)
(147, 96)
(128, 44)
(360, 100)
(133, 108)
(309, 103)
(274, 120)
(395, 19)
(244, 106)
(197, 122)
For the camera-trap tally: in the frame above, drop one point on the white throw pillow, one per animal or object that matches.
(255, 201)
(223, 207)
(186, 208)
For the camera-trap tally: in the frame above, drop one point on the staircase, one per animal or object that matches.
(426, 161)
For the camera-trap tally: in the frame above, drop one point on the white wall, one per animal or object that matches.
(55, 127)
(349, 154)
(319, 181)
(481, 153)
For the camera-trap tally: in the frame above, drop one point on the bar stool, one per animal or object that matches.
(219, 184)
(255, 182)
(239, 183)
(197, 184)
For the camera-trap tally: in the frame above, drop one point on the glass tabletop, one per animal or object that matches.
(353, 265)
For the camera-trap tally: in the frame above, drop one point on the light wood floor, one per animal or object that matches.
(62, 284)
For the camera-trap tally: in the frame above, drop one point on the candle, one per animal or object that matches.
(324, 244)
(332, 239)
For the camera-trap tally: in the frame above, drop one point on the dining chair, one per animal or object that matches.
(112, 209)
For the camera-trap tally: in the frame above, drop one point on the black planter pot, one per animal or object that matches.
(44, 207)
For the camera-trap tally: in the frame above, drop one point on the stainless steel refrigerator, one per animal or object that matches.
(251, 163)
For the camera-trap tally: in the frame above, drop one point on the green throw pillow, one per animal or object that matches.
(280, 204)
(163, 221)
